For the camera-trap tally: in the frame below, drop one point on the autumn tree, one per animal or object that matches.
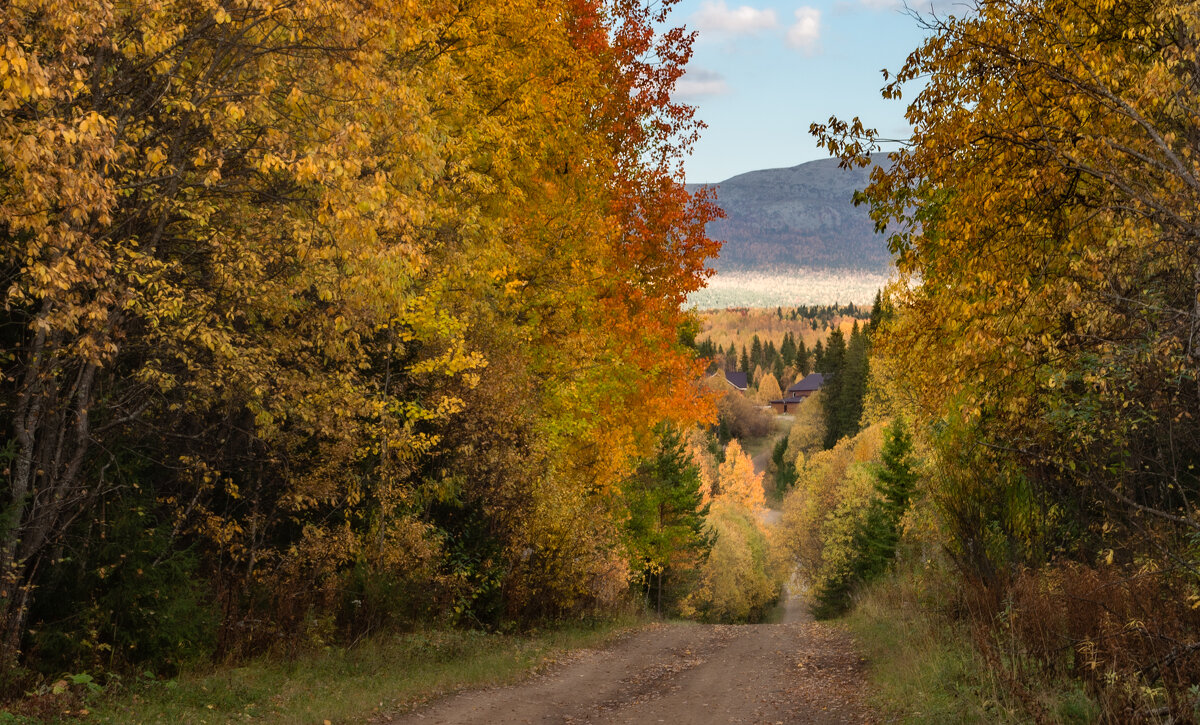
(768, 388)
(1044, 219)
(737, 482)
(300, 287)
(807, 433)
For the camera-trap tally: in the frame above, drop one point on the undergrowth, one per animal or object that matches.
(377, 677)
(926, 666)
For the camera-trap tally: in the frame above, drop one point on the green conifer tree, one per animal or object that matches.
(664, 534)
(832, 366)
(851, 387)
(803, 360)
(877, 534)
(788, 349)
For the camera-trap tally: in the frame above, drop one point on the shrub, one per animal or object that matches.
(739, 417)
(743, 577)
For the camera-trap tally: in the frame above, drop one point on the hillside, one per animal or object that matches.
(801, 216)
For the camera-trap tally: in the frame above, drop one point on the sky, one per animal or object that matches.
(763, 71)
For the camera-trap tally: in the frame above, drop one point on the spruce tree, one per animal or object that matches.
(832, 364)
(665, 531)
(835, 353)
(788, 349)
(880, 311)
(852, 385)
(877, 534)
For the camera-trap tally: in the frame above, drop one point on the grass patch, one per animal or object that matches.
(386, 675)
(925, 666)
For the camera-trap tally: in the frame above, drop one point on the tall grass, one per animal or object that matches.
(926, 668)
(383, 676)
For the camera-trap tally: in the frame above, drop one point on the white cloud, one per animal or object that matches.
(923, 7)
(716, 16)
(805, 34)
(698, 82)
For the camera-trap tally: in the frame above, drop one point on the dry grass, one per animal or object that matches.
(361, 684)
(927, 666)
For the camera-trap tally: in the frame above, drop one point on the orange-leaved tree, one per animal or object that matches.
(313, 287)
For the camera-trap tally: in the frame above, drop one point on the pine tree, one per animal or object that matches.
(802, 359)
(877, 534)
(665, 530)
(851, 386)
(785, 466)
(756, 351)
(745, 366)
(895, 483)
(835, 353)
(832, 364)
(788, 349)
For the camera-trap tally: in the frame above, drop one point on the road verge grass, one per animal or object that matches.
(925, 666)
(366, 683)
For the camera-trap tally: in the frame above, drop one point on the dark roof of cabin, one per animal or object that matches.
(812, 381)
(737, 379)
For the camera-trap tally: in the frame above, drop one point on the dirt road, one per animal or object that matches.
(679, 673)
(798, 671)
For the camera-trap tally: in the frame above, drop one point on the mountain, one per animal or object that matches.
(803, 216)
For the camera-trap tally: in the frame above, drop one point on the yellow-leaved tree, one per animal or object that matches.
(1044, 214)
(737, 482)
(329, 303)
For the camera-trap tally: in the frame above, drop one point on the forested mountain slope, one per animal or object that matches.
(803, 216)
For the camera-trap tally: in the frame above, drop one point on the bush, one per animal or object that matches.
(742, 578)
(807, 434)
(133, 595)
(741, 418)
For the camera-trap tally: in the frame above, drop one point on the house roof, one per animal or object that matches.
(734, 378)
(737, 379)
(811, 382)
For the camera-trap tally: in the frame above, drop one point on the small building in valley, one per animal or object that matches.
(733, 378)
(786, 405)
(810, 384)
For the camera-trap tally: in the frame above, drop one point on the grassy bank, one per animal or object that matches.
(925, 666)
(386, 675)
